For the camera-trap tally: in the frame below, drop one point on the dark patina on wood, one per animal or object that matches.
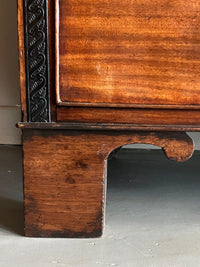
(37, 60)
(109, 127)
(65, 176)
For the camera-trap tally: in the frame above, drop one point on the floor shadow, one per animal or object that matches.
(11, 216)
(147, 190)
(11, 190)
(130, 168)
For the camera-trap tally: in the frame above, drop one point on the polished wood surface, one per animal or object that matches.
(65, 176)
(117, 71)
(128, 52)
(157, 117)
(154, 113)
(21, 48)
(108, 126)
(51, 24)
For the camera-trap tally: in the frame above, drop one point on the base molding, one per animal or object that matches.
(109, 126)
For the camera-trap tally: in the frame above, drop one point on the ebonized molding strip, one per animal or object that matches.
(37, 60)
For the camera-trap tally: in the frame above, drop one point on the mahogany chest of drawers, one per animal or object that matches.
(96, 75)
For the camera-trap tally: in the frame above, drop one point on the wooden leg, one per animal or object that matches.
(65, 176)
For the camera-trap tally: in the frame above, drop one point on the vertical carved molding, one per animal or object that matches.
(37, 60)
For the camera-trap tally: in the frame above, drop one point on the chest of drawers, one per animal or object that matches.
(96, 75)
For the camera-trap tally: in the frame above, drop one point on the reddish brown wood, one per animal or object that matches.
(22, 60)
(108, 126)
(162, 117)
(128, 52)
(118, 67)
(52, 14)
(65, 176)
(158, 116)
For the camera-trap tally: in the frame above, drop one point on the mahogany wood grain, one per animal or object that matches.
(65, 176)
(51, 9)
(21, 48)
(120, 70)
(128, 52)
(165, 117)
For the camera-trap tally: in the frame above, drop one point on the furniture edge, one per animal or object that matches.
(107, 126)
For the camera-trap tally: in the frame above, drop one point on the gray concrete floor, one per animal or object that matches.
(152, 217)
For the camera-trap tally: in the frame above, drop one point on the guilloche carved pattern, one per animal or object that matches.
(37, 60)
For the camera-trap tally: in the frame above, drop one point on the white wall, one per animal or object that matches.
(9, 80)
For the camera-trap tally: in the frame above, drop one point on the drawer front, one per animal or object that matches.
(128, 53)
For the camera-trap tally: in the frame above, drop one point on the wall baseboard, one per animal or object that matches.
(9, 133)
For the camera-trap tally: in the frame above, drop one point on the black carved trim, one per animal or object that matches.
(37, 60)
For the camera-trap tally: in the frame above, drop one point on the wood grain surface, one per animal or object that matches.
(128, 52)
(163, 117)
(65, 176)
(51, 31)
(21, 48)
(108, 127)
